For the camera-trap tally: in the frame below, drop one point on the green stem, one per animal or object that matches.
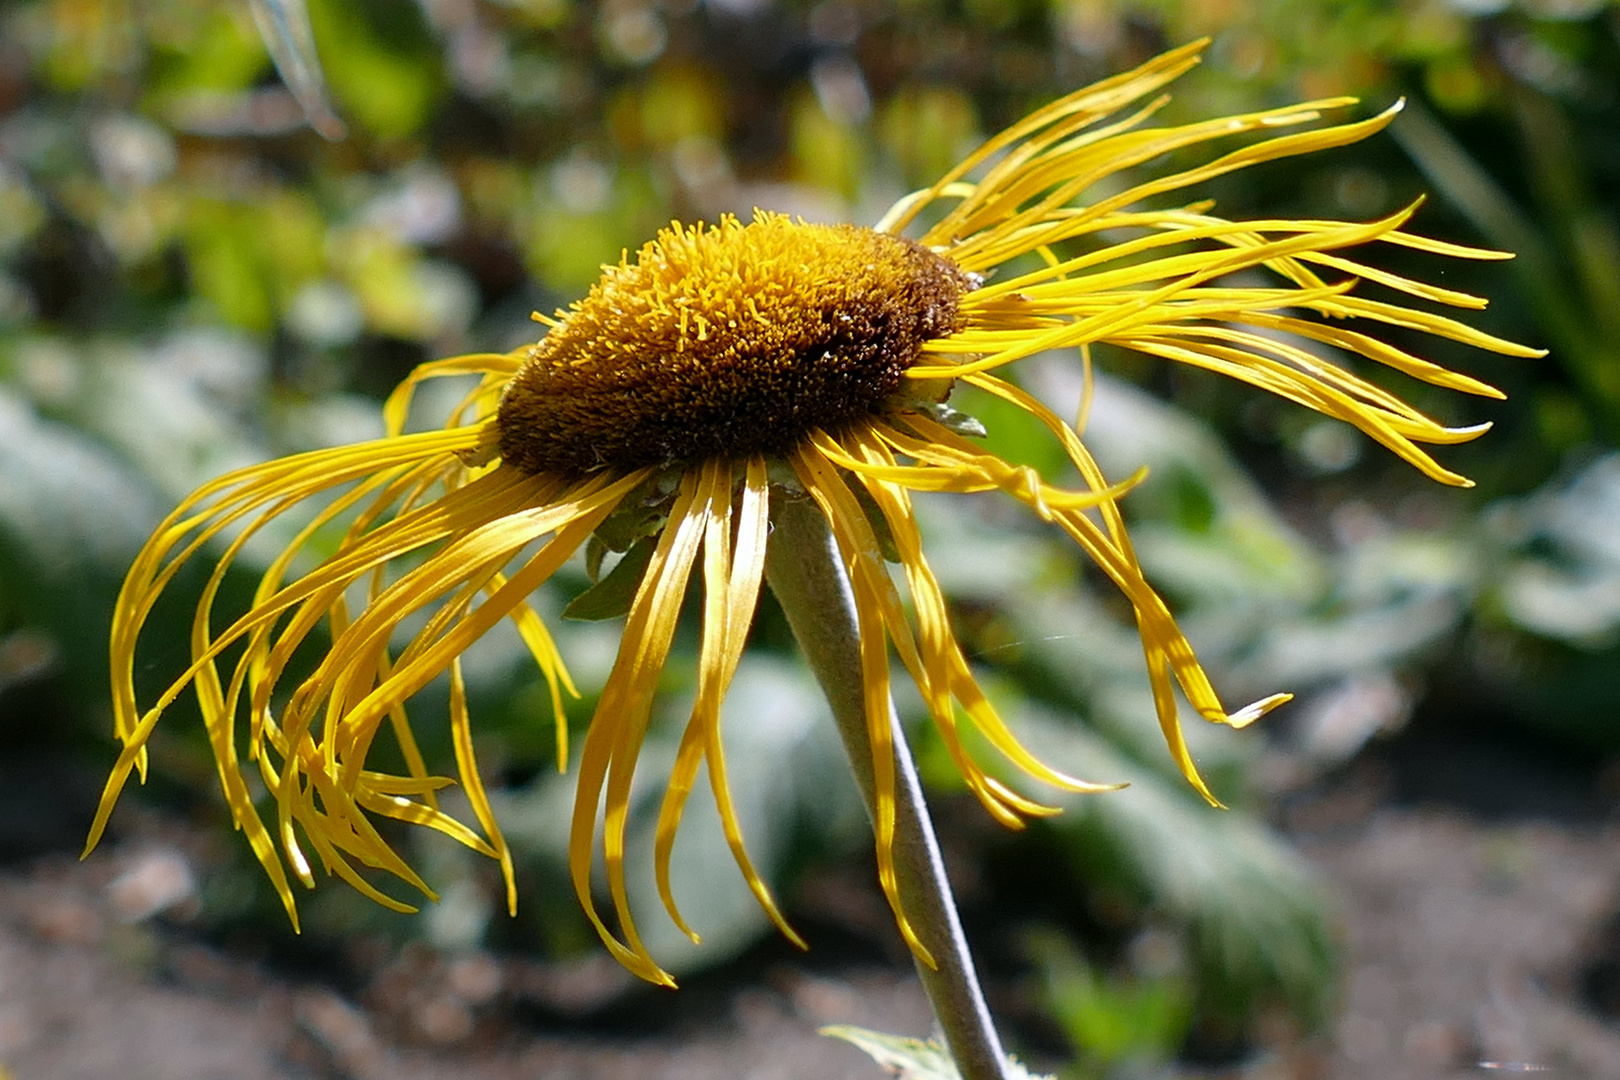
(807, 575)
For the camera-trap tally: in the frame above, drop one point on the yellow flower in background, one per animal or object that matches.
(721, 369)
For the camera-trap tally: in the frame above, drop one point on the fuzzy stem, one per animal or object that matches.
(807, 575)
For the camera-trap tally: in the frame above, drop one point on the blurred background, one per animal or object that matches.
(1418, 873)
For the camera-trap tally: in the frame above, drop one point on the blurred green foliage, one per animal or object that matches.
(1130, 1019)
(190, 278)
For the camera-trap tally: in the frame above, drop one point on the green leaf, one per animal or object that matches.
(1011, 433)
(913, 1059)
(213, 51)
(223, 247)
(1257, 918)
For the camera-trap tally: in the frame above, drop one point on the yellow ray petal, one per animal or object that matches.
(617, 729)
(949, 676)
(868, 583)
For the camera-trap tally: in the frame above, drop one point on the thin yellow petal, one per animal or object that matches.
(868, 582)
(614, 738)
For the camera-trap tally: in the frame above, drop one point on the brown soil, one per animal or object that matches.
(1473, 947)
(1477, 948)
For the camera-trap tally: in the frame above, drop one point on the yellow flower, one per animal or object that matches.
(723, 368)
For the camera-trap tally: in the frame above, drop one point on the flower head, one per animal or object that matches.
(725, 367)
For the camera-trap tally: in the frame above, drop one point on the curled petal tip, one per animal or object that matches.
(1250, 713)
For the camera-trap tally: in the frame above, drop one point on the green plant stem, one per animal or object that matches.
(807, 575)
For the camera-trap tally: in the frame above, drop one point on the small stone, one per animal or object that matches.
(475, 979)
(156, 882)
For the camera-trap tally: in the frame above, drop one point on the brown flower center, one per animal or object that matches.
(730, 340)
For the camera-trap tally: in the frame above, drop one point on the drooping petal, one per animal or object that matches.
(732, 577)
(311, 749)
(949, 679)
(1166, 649)
(613, 742)
(877, 609)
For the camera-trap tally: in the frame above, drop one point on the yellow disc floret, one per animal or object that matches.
(727, 340)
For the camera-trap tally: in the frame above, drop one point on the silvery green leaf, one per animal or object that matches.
(1256, 915)
(786, 768)
(632, 520)
(69, 504)
(879, 523)
(913, 1059)
(1563, 579)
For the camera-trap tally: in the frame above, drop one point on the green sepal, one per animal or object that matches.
(639, 515)
(875, 518)
(631, 522)
(611, 596)
(595, 552)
